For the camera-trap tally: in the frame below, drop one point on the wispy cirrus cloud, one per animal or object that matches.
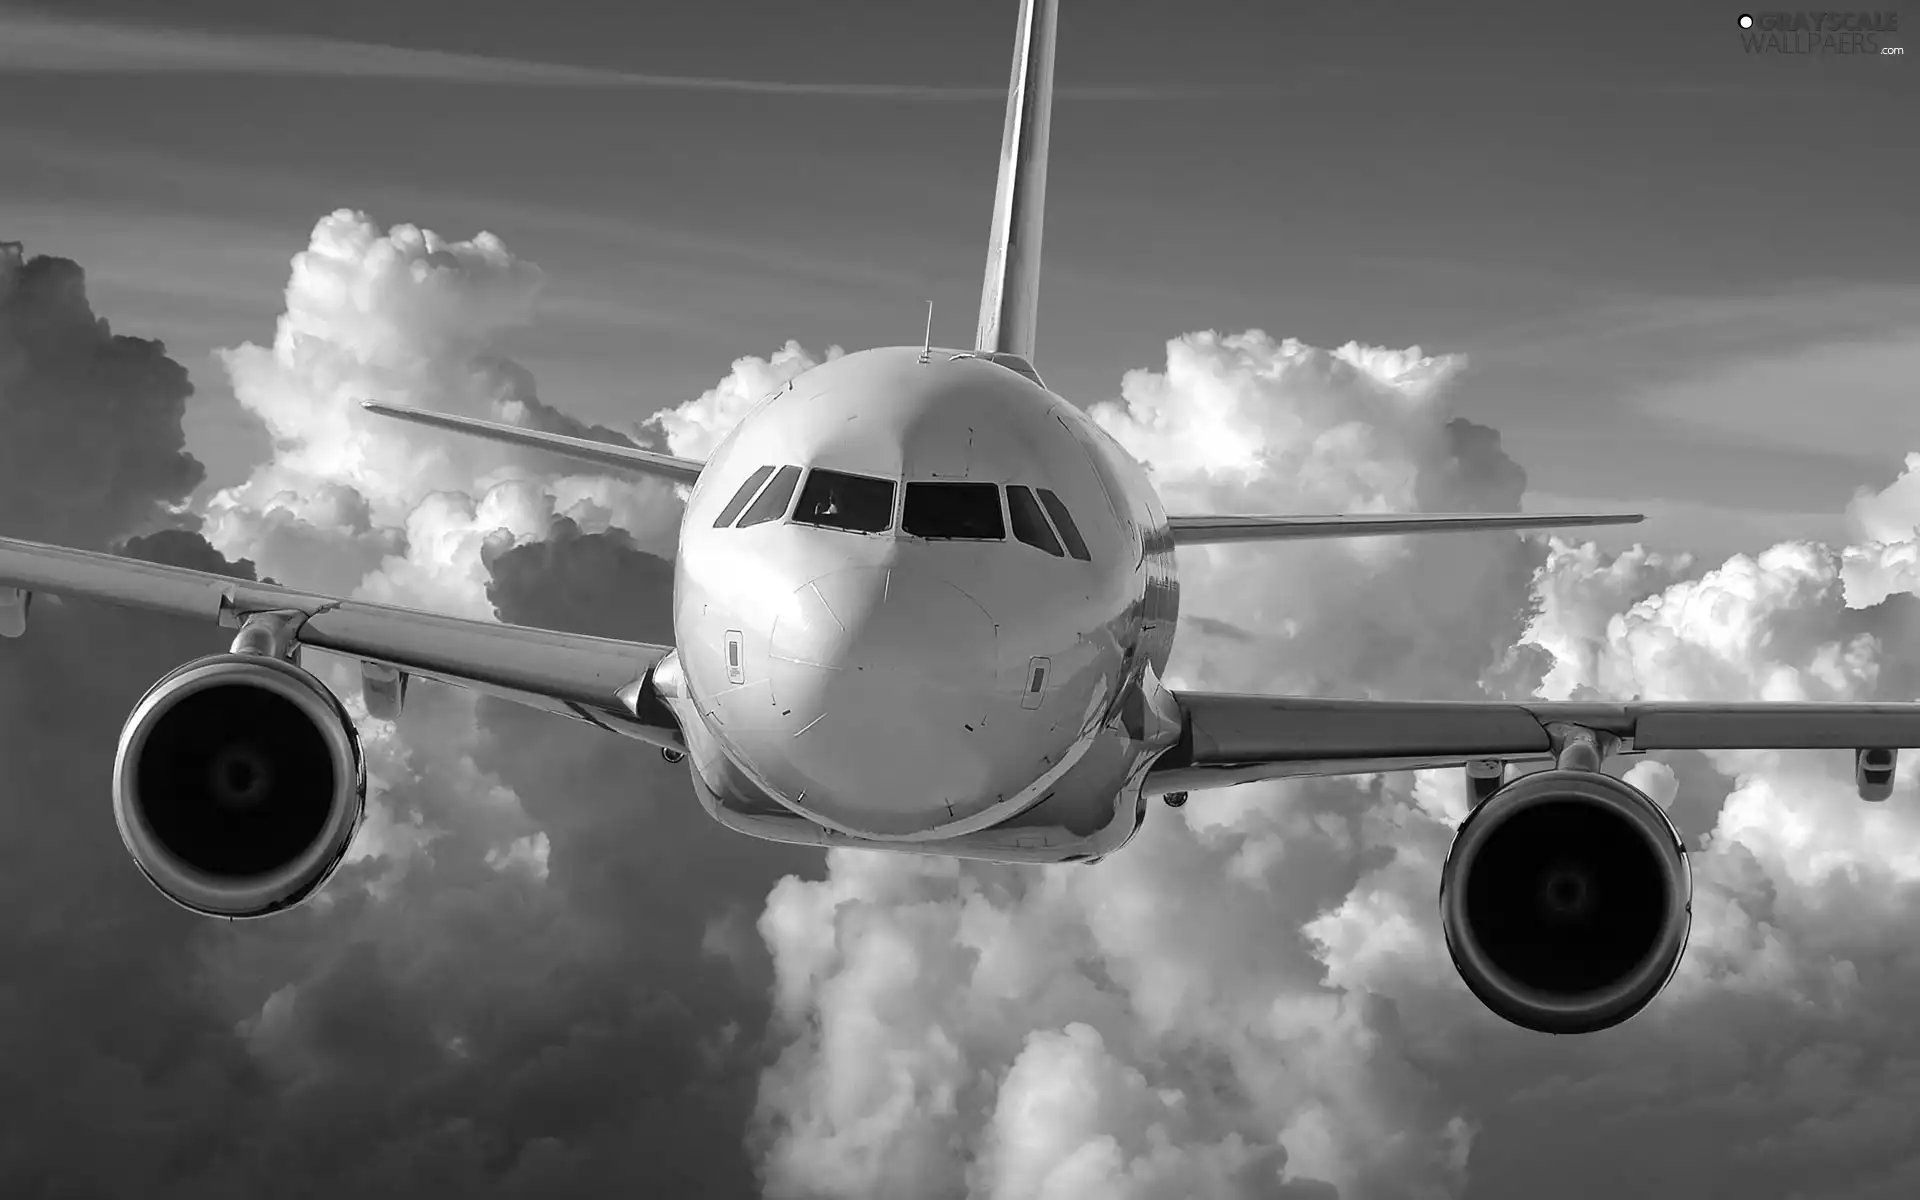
(44, 42)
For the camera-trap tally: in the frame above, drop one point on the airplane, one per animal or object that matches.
(923, 604)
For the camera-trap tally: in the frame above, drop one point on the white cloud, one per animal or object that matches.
(1178, 976)
(1255, 996)
(695, 428)
(355, 503)
(1254, 999)
(1761, 628)
(358, 505)
(1580, 592)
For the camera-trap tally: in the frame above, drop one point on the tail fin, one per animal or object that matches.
(1011, 293)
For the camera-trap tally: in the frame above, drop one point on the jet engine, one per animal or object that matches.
(1566, 899)
(238, 785)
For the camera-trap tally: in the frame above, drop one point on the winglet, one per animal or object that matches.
(604, 454)
(1011, 293)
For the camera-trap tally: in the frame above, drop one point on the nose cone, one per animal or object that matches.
(882, 677)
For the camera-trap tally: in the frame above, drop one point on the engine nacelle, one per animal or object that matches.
(1566, 900)
(238, 785)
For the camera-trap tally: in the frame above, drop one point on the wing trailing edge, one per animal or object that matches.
(1229, 739)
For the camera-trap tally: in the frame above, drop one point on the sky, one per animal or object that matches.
(1552, 194)
(1672, 276)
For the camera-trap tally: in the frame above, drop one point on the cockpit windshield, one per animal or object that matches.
(954, 510)
(940, 511)
(837, 500)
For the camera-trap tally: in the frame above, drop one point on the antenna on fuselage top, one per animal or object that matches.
(926, 349)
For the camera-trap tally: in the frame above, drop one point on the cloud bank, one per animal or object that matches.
(535, 975)
(1254, 999)
(92, 444)
(545, 972)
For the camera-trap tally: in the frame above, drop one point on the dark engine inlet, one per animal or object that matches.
(1566, 901)
(238, 785)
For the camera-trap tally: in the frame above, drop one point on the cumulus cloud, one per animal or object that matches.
(356, 502)
(1254, 999)
(186, 548)
(1885, 560)
(533, 976)
(1294, 428)
(98, 1014)
(565, 579)
(693, 429)
(490, 999)
(1179, 971)
(92, 446)
(499, 913)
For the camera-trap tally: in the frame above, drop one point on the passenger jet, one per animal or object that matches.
(922, 603)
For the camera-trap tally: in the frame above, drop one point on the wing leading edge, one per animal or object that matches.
(592, 679)
(601, 454)
(1231, 739)
(1211, 530)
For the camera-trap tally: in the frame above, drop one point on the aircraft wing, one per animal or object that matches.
(603, 454)
(1206, 530)
(597, 680)
(1229, 739)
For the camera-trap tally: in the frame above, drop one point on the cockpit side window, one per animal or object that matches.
(1063, 520)
(741, 497)
(772, 504)
(1029, 523)
(839, 501)
(954, 510)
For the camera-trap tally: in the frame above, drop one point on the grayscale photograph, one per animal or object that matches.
(575, 620)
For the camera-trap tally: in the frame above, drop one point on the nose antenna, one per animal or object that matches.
(926, 350)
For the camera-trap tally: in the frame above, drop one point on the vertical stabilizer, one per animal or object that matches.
(1011, 294)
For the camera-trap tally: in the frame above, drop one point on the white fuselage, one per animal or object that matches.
(976, 695)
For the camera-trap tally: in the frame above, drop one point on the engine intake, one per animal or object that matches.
(238, 785)
(1566, 900)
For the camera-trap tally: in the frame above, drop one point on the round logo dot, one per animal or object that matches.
(1746, 21)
